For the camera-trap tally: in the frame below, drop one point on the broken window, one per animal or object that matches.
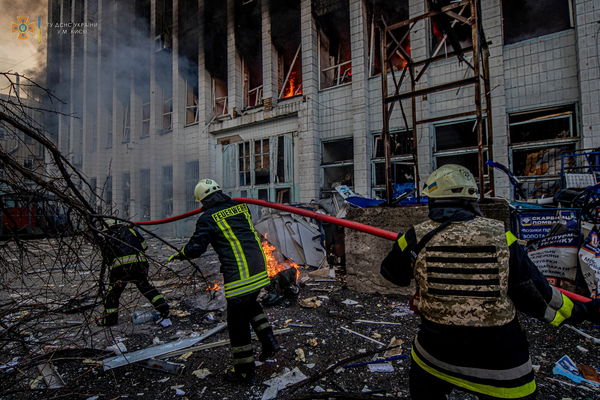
(337, 164)
(333, 27)
(109, 127)
(108, 193)
(124, 104)
(448, 32)
(126, 193)
(285, 36)
(386, 13)
(244, 163)
(248, 41)
(259, 167)
(456, 143)
(400, 159)
(262, 172)
(192, 176)
(144, 192)
(215, 53)
(92, 193)
(164, 25)
(167, 191)
(538, 142)
(145, 117)
(188, 56)
(527, 19)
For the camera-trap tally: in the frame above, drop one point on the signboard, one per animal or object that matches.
(536, 224)
(556, 257)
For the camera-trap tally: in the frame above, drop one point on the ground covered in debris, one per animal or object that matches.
(323, 328)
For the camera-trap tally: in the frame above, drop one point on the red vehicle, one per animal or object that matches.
(31, 215)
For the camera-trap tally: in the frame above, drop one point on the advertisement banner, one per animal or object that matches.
(556, 258)
(537, 224)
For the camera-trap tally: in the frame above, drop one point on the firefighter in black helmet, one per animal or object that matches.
(472, 276)
(227, 226)
(123, 249)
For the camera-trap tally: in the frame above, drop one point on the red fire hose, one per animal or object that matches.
(371, 230)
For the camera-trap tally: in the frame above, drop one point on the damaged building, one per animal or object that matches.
(281, 100)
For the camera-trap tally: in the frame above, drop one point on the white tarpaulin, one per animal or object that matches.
(293, 236)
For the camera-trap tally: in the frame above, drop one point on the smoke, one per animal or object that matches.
(26, 56)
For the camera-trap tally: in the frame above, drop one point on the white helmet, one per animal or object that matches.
(204, 188)
(451, 181)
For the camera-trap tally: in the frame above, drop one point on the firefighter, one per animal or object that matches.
(123, 250)
(472, 276)
(227, 226)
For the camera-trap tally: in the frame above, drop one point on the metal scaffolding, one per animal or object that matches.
(398, 62)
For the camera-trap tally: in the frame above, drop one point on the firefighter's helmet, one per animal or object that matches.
(451, 181)
(204, 188)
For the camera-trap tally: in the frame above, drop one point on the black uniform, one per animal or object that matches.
(124, 253)
(472, 277)
(227, 226)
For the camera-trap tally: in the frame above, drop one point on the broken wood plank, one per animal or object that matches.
(212, 345)
(155, 351)
(362, 336)
(364, 321)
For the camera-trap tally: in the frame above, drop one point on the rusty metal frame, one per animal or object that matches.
(391, 46)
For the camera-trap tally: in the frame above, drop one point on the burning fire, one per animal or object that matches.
(273, 265)
(292, 86)
(214, 287)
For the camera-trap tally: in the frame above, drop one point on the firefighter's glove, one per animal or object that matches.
(176, 256)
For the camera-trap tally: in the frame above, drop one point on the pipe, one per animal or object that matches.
(371, 230)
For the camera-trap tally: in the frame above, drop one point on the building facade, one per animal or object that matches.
(282, 100)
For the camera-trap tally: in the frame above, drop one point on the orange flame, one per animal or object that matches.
(292, 86)
(214, 286)
(273, 265)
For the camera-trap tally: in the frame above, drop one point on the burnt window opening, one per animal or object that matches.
(215, 53)
(109, 126)
(164, 25)
(144, 193)
(126, 193)
(142, 71)
(123, 103)
(527, 19)
(188, 57)
(108, 192)
(337, 165)
(400, 159)
(248, 41)
(456, 143)
(167, 191)
(333, 27)
(192, 176)
(285, 35)
(385, 13)
(263, 165)
(539, 140)
(164, 77)
(446, 32)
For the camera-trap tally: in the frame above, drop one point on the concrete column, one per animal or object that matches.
(270, 64)
(156, 103)
(587, 16)
(204, 102)
(360, 71)
(307, 146)
(235, 85)
(179, 99)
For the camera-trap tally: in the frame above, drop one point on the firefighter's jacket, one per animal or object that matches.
(228, 227)
(472, 276)
(123, 245)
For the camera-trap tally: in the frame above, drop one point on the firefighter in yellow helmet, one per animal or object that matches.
(472, 276)
(227, 226)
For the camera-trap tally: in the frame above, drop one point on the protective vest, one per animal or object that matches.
(124, 245)
(462, 274)
(228, 228)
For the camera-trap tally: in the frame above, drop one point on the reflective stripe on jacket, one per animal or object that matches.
(228, 227)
